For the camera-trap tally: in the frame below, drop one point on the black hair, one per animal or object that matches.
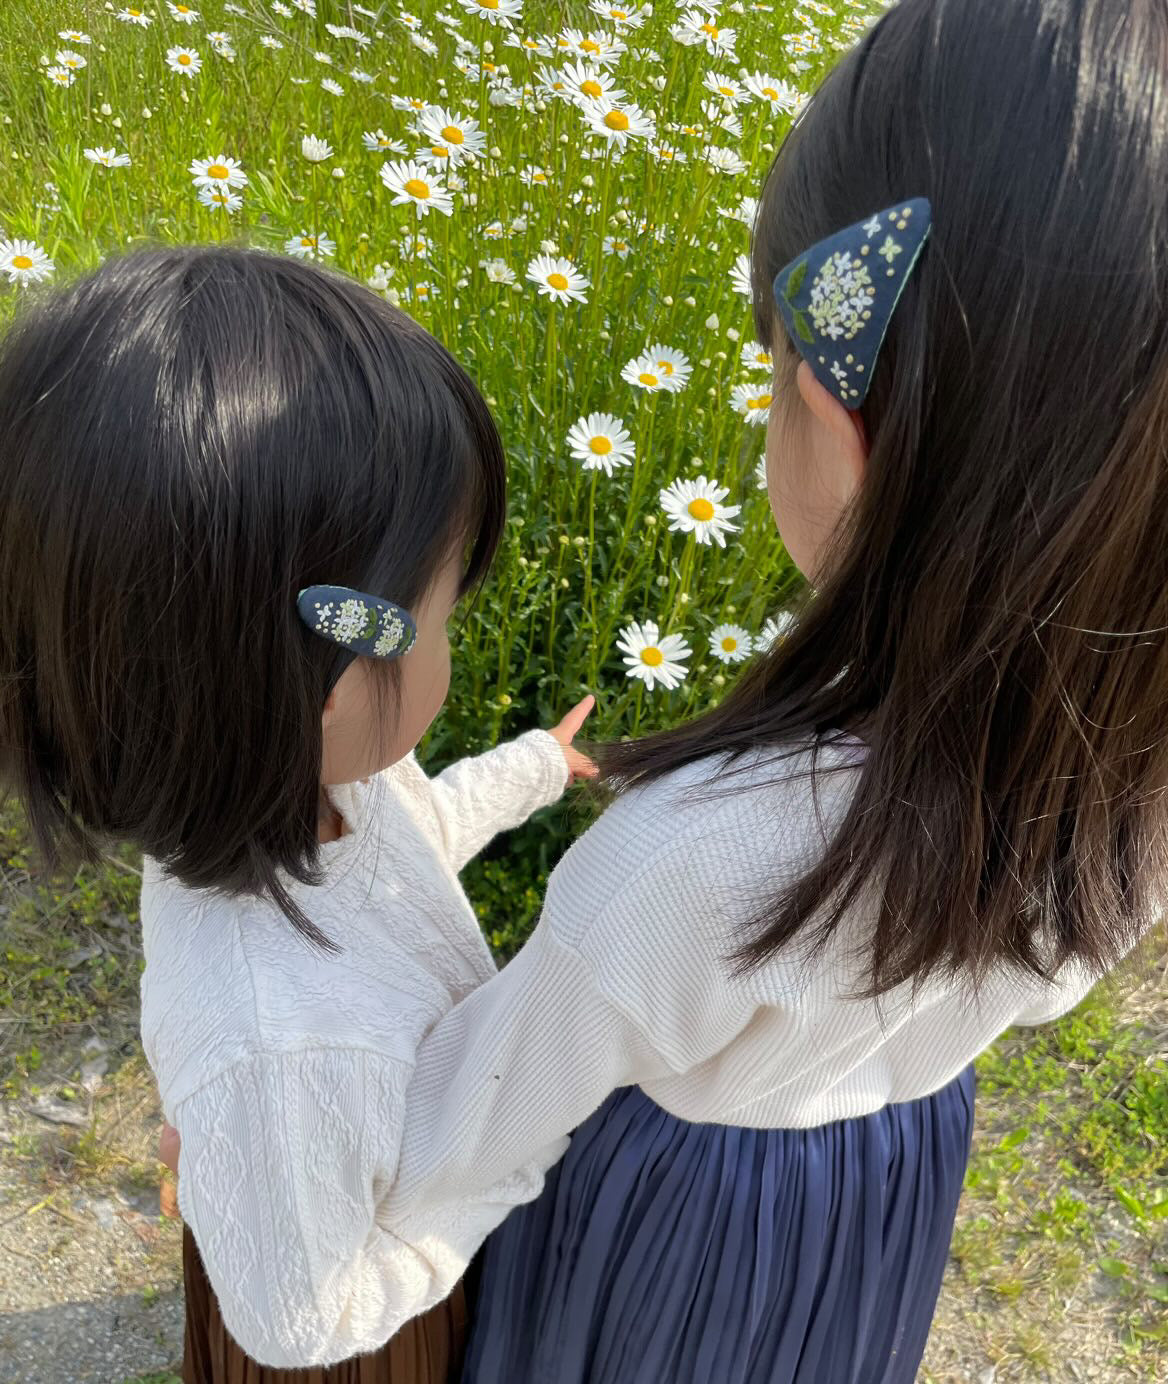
(188, 437)
(995, 611)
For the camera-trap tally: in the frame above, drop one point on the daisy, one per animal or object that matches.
(73, 36)
(746, 211)
(220, 171)
(378, 142)
(133, 17)
(617, 123)
(333, 88)
(63, 76)
(756, 357)
(499, 271)
(305, 246)
(24, 262)
(497, 11)
(185, 60)
(183, 13)
(776, 628)
(725, 160)
(752, 402)
(777, 93)
(588, 83)
(621, 16)
(668, 153)
(557, 278)
(379, 279)
(598, 48)
(408, 103)
(108, 158)
(220, 197)
(760, 472)
(730, 644)
(642, 371)
(652, 658)
(613, 245)
(315, 150)
(696, 507)
(673, 367)
(67, 58)
(411, 182)
(740, 276)
(696, 28)
(725, 87)
(458, 134)
(600, 442)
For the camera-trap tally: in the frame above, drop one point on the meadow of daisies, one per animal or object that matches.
(562, 192)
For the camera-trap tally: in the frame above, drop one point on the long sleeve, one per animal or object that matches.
(284, 1162)
(478, 797)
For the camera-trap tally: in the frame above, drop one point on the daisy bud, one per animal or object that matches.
(650, 521)
(683, 598)
(504, 699)
(719, 680)
(719, 355)
(548, 247)
(541, 106)
(712, 392)
(690, 302)
(712, 322)
(732, 333)
(563, 139)
(564, 538)
(146, 113)
(578, 540)
(704, 362)
(523, 562)
(117, 122)
(668, 301)
(587, 180)
(564, 583)
(393, 296)
(495, 152)
(338, 172)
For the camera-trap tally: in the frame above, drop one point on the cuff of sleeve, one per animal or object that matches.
(548, 754)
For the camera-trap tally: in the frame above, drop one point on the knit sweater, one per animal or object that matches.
(353, 1128)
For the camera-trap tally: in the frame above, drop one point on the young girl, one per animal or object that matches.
(950, 777)
(239, 498)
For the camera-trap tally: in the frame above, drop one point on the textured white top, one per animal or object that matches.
(353, 1128)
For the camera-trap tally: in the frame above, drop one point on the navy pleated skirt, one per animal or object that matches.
(666, 1252)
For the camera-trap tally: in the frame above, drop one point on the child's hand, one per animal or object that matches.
(580, 765)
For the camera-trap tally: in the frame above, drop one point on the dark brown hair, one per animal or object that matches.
(996, 612)
(188, 437)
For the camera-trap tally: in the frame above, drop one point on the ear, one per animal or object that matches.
(845, 425)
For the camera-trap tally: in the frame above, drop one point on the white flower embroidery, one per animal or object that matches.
(890, 249)
(872, 226)
(840, 296)
(392, 630)
(350, 621)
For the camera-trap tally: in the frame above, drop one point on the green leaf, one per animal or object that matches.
(802, 326)
(1012, 1140)
(1116, 1268)
(795, 280)
(1135, 1206)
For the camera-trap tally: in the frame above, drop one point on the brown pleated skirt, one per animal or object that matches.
(428, 1350)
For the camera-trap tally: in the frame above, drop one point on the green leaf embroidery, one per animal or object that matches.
(370, 627)
(795, 280)
(801, 325)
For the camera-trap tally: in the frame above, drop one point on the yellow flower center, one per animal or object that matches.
(618, 14)
(418, 105)
(539, 177)
(591, 88)
(307, 240)
(601, 446)
(488, 4)
(589, 47)
(489, 67)
(617, 120)
(701, 509)
(218, 170)
(665, 367)
(557, 281)
(770, 93)
(135, 13)
(423, 290)
(452, 134)
(653, 657)
(729, 644)
(762, 401)
(417, 188)
(763, 357)
(664, 153)
(726, 91)
(440, 151)
(184, 58)
(21, 262)
(711, 29)
(650, 380)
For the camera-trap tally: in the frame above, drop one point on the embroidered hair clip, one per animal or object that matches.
(836, 299)
(365, 624)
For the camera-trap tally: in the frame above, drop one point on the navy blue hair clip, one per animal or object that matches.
(836, 298)
(357, 621)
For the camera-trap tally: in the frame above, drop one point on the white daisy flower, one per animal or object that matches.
(760, 472)
(499, 271)
(746, 211)
(182, 13)
(24, 262)
(725, 160)
(185, 60)
(378, 142)
(694, 27)
(726, 88)
(642, 372)
(730, 644)
(333, 88)
(534, 176)
(62, 76)
(774, 91)
(752, 402)
(408, 103)
(220, 198)
(315, 150)
(415, 244)
(305, 246)
(379, 279)
(217, 172)
(756, 357)
(652, 658)
(67, 58)
(557, 278)
(459, 134)
(130, 16)
(620, 16)
(774, 629)
(614, 245)
(669, 153)
(108, 158)
(73, 36)
(696, 507)
(618, 123)
(740, 276)
(503, 12)
(672, 366)
(600, 442)
(359, 75)
(586, 82)
(597, 48)
(411, 182)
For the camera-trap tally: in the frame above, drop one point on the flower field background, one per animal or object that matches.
(562, 193)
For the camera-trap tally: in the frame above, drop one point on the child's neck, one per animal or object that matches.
(330, 825)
